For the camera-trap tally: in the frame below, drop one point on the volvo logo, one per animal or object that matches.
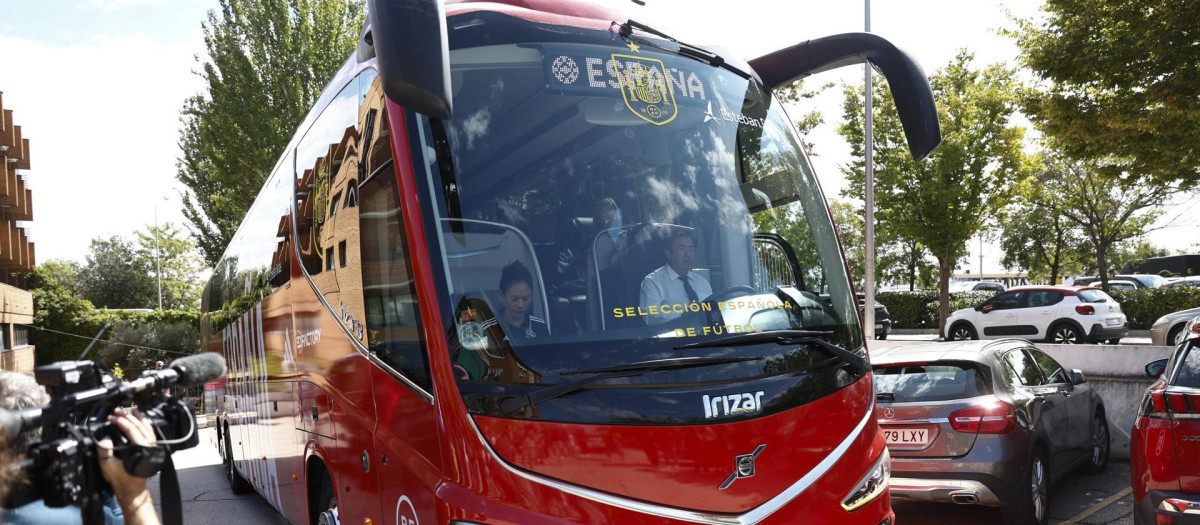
(743, 467)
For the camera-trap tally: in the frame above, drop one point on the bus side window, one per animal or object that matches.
(327, 166)
(393, 325)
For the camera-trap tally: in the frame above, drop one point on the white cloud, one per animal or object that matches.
(102, 119)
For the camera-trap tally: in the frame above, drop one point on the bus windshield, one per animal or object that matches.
(598, 203)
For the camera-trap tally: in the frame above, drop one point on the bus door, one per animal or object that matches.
(409, 465)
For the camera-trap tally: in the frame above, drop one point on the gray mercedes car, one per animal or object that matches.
(1167, 329)
(989, 423)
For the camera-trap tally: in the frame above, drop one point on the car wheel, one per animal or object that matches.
(1033, 503)
(881, 337)
(1065, 334)
(1116, 341)
(1099, 445)
(1173, 335)
(962, 332)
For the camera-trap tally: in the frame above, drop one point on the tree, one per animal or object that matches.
(1035, 233)
(266, 65)
(1106, 209)
(947, 199)
(180, 264)
(896, 260)
(66, 273)
(795, 92)
(116, 276)
(1118, 84)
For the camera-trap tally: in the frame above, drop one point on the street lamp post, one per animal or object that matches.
(869, 201)
(157, 255)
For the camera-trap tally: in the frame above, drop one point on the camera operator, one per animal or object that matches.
(131, 503)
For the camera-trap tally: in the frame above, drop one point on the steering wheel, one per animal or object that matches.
(730, 293)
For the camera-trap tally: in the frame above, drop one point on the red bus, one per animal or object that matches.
(533, 262)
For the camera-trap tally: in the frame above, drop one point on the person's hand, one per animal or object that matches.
(130, 490)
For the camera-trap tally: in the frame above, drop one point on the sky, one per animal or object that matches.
(97, 86)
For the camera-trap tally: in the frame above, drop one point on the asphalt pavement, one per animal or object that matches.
(1079, 498)
(205, 492)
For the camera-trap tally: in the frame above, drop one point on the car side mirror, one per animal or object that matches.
(1077, 377)
(987, 307)
(1156, 368)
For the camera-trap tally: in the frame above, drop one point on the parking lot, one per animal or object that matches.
(1078, 498)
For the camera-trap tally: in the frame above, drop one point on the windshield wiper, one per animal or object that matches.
(785, 337)
(513, 404)
(684, 49)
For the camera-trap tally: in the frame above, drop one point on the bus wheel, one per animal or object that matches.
(327, 511)
(237, 483)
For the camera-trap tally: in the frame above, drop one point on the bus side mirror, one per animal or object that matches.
(910, 88)
(409, 39)
(1156, 368)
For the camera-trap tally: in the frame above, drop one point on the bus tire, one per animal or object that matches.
(323, 507)
(237, 484)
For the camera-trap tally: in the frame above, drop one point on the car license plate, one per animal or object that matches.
(879, 326)
(906, 436)
(1112, 322)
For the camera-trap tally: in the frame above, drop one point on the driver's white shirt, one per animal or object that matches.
(663, 287)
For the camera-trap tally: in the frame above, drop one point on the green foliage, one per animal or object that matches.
(67, 273)
(265, 66)
(121, 274)
(65, 324)
(944, 201)
(1118, 84)
(1037, 235)
(910, 309)
(795, 92)
(1145, 305)
(896, 260)
(1106, 210)
(960, 300)
(919, 309)
(116, 277)
(180, 265)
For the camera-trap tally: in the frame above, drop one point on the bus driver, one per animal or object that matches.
(673, 283)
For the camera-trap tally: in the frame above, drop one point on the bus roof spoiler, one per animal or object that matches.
(910, 88)
(414, 56)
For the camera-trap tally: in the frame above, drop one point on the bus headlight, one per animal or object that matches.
(872, 484)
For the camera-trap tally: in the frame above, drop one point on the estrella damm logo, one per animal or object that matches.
(644, 88)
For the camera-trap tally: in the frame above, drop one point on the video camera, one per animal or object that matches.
(62, 467)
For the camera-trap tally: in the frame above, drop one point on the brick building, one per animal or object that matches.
(16, 250)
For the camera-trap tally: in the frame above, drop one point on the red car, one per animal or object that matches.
(1165, 450)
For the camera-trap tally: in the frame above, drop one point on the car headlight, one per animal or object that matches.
(872, 484)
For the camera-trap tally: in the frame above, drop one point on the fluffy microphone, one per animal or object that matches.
(198, 369)
(185, 371)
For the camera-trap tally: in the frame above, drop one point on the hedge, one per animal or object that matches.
(1145, 305)
(919, 309)
(1142, 307)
